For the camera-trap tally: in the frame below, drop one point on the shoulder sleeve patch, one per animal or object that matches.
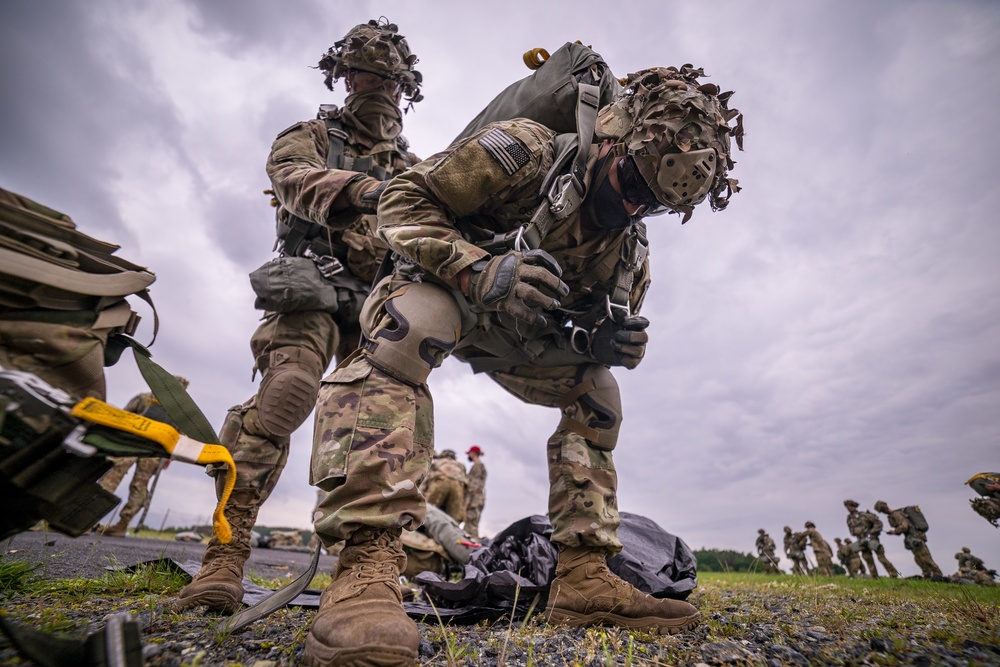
(488, 164)
(505, 149)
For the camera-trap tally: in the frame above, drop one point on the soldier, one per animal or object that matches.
(972, 568)
(795, 550)
(512, 314)
(821, 549)
(327, 176)
(866, 527)
(987, 485)
(145, 468)
(475, 498)
(446, 484)
(914, 539)
(765, 551)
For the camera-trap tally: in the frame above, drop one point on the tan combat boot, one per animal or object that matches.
(586, 592)
(361, 619)
(219, 583)
(117, 529)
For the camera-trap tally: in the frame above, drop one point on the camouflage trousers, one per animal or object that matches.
(473, 513)
(449, 495)
(138, 488)
(260, 455)
(824, 563)
(374, 432)
(871, 545)
(854, 566)
(922, 556)
(770, 562)
(799, 563)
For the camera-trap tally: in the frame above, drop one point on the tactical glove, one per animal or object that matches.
(516, 283)
(363, 193)
(620, 343)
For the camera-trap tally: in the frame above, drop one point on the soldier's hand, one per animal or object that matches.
(518, 284)
(620, 343)
(363, 193)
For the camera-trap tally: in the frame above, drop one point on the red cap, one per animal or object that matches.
(475, 450)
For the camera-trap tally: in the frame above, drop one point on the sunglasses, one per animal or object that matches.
(635, 190)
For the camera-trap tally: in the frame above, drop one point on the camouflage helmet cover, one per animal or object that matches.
(850, 503)
(447, 454)
(880, 506)
(375, 47)
(760, 530)
(788, 529)
(678, 132)
(810, 524)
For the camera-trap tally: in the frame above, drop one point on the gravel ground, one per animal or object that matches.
(765, 622)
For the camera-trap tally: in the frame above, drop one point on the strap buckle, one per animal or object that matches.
(613, 309)
(328, 265)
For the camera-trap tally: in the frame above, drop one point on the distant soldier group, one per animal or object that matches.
(459, 493)
(866, 527)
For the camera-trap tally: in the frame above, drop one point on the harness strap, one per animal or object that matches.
(604, 439)
(276, 600)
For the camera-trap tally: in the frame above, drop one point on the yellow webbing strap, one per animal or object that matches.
(180, 447)
(535, 58)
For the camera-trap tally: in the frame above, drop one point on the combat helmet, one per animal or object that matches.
(810, 524)
(760, 531)
(375, 47)
(850, 503)
(447, 454)
(788, 529)
(676, 133)
(880, 506)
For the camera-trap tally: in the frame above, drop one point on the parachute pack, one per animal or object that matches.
(915, 517)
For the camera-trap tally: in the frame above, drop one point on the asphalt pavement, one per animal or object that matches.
(90, 555)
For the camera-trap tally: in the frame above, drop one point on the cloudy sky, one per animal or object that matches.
(835, 333)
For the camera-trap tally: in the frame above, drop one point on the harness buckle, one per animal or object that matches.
(328, 265)
(613, 309)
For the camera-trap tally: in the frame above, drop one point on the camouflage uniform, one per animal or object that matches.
(821, 549)
(326, 175)
(866, 527)
(915, 541)
(795, 549)
(448, 296)
(145, 468)
(475, 498)
(445, 485)
(849, 558)
(987, 485)
(972, 568)
(306, 189)
(765, 551)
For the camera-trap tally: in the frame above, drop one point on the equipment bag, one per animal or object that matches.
(549, 95)
(916, 517)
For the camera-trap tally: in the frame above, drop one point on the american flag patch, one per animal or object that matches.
(505, 149)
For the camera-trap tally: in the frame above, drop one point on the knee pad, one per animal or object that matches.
(422, 328)
(287, 392)
(597, 392)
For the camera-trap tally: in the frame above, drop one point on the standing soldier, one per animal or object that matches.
(145, 467)
(327, 175)
(475, 499)
(914, 538)
(549, 272)
(821, 549)
(866, 528)
(445, 485)
(765, 551)
(795, 549)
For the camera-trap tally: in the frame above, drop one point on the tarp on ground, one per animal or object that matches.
(513, 573)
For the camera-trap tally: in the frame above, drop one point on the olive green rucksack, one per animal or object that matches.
(916, 517)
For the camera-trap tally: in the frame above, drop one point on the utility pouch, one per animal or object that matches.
(289, 284)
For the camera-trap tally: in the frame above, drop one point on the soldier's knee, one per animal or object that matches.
(595, 395)
(287, 392)
(417, 326)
